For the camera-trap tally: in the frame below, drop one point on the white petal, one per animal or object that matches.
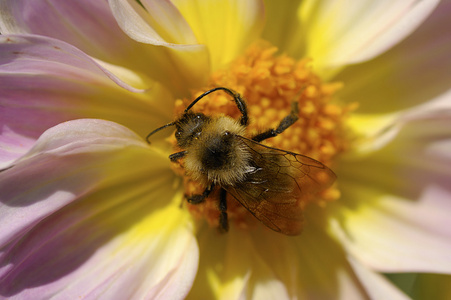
(162, 25)
(411, 73)
(393, 214)
(377, 130)
(341, 33)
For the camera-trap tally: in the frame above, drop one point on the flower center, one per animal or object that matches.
(269, 84)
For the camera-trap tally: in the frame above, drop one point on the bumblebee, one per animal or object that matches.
(271, 183)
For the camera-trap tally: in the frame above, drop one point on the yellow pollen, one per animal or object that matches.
(269, 83)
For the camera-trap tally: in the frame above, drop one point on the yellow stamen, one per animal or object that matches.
(269, 84)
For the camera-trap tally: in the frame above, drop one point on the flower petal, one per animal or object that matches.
(154, 22)
(275, 266)
(91, 27)
(409, 74)
(223, 274)
(393, 212)
(232, 273)
(339, 34)
(53, 155)
(225, 27)
(378, 129)
(44, 82)
(284, 29)
(95, 221)
(181, 52)
(325, 269)
(88, 25)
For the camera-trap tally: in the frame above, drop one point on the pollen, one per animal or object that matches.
(269, 82)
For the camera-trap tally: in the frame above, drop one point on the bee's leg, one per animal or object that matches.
(284, 124)
(196, 199)
(223, 220)
(176, 156)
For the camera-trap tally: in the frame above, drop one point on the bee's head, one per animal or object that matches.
(189, 127)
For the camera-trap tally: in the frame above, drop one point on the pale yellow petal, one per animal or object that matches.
(261, 264)
(284, 28)
(225, 27)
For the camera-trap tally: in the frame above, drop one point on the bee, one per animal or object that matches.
(272, 184)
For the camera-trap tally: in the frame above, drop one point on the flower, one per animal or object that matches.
(89, 210)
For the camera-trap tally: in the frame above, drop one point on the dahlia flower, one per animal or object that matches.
(90, 210)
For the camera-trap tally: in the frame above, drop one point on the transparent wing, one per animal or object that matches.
(278, 186)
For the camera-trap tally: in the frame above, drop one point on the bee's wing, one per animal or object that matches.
(278, 186)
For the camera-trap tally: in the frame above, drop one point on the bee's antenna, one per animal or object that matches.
(238, 100)
(158, 129)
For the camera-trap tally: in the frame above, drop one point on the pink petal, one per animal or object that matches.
(41, 171)
(91, 27)
(89, 218)
(88, 25)
(44, 82)
(394, 210)
(411, 73)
